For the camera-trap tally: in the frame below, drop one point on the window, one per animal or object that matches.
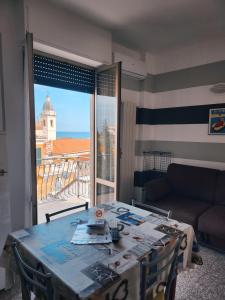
(51, 123)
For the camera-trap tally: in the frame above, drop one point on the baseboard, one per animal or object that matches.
(207, 245)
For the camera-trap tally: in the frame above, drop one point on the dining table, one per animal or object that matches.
(99, 271)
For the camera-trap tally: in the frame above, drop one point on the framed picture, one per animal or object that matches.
(217, 121)
(2, 117)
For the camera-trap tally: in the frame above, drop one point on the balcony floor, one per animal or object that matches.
(53, 204)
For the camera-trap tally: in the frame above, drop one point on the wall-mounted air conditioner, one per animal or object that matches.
(130, 66)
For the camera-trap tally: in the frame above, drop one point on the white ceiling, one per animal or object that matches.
(154, 25)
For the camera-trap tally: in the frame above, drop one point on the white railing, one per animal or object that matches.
(62, 177)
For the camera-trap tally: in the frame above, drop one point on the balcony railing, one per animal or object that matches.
(63, 177)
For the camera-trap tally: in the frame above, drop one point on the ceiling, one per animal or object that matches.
(154, 25)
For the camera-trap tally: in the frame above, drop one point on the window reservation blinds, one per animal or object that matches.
(56, 73)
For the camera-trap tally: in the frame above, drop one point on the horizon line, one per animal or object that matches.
(70, 131)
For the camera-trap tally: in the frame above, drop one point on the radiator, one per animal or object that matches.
(127, 141)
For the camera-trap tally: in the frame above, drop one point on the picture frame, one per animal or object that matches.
(217, 121)
(2, 110)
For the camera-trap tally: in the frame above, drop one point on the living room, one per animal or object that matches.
(172, 102)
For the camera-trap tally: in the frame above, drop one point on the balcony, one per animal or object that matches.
(62, 181)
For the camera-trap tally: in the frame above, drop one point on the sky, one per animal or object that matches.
(72, 108)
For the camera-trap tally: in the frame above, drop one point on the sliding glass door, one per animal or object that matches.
(107, 146)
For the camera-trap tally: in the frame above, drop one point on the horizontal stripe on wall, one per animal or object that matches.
(200, 95)
(179, 133)
(185, 161)
(200, 163)
(130, 83)
(196, 76)
(185, 150)
(207, 74)
(142, 177)
(198, 114)
(148, 84)
(130, 96)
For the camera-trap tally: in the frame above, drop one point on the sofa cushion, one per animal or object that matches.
(183, 209)
(195, 182)
(156, 189)
(212, 221)
(220, 189)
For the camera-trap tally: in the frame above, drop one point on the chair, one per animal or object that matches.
(32, 281)
(150, 270)
(48, 216)
(154, 209)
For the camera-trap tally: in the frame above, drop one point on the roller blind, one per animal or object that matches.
(56, 73)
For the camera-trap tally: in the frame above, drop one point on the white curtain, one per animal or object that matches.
(28, 92)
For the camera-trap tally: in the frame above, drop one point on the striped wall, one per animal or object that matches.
(173, 116)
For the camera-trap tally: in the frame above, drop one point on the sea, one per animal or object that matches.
(73, 134)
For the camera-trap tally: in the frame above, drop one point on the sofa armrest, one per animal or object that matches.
(166, 213)
(156, 189)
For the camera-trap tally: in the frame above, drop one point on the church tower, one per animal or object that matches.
(48, 118)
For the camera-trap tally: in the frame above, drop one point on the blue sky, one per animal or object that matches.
(72, 108)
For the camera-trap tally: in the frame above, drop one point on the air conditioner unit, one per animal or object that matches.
(130, 66)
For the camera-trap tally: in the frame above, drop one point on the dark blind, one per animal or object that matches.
(106, 83)
(52, 72)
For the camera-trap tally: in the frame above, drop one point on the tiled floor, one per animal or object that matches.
(206, 282)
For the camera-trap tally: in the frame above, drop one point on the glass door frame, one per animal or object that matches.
(97, 180)
(92, 150)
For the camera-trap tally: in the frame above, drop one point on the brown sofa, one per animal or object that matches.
(195, 196)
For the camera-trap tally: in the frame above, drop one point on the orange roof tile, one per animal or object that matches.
(70, 145)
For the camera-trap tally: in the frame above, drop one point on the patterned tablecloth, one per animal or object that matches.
(109, 272)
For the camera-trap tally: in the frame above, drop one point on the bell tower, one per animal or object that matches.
(48, 117)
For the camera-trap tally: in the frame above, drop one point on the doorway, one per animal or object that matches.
(76, 154)
(62, 135)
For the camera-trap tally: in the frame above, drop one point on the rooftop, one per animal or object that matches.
(69, 145)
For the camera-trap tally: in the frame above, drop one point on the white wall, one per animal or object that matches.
(116, 47)
(62, 29)
(12, 29)
(5, 224)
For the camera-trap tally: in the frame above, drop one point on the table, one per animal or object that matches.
(93, 272)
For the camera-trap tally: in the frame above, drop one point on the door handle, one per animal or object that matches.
(3, 172)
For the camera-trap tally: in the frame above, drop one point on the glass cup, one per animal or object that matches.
(115, 229)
